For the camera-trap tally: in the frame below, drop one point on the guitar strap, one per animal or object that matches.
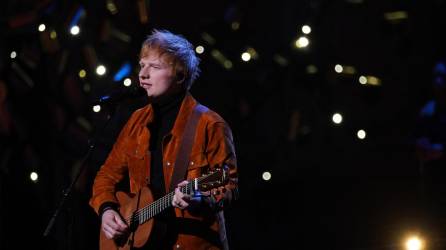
(183, 156)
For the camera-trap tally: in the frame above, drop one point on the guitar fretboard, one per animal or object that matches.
(146, 213)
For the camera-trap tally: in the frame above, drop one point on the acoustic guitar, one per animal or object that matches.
(139, 209)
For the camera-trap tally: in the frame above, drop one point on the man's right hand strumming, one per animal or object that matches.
(113, 225)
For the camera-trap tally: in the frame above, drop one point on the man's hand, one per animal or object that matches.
(112, 224)
(180, 200)
(184, 201)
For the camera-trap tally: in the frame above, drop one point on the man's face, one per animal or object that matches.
(156, 76)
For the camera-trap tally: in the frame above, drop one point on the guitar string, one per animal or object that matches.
(159, 205)
(148, 209)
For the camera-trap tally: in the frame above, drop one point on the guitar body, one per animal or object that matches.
(139, 234)
(143, 208)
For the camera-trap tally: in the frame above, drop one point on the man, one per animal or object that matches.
(149, 143)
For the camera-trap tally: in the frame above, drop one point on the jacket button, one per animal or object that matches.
(168, 163)
(177, 246)
(191, 163)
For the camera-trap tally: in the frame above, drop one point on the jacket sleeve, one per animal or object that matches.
(111, 172)
(220, 151)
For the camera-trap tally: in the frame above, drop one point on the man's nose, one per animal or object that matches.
(144, 73)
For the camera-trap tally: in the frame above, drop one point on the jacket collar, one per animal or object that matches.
(187, 106)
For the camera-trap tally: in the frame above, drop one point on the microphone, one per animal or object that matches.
(120, 95)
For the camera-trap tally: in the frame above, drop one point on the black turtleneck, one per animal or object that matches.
(165, 114)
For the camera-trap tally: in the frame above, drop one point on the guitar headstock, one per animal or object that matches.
(213, 179)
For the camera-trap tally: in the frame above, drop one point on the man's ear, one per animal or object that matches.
(181, 77)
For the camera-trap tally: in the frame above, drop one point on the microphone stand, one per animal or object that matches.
(67, 192)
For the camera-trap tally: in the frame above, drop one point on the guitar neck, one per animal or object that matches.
(146, 213)
(203, 183)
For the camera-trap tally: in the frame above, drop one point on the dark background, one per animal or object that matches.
(329, 190)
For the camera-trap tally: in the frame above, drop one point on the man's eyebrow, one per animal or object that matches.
(153, 61)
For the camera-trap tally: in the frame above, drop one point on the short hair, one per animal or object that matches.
(179, 50)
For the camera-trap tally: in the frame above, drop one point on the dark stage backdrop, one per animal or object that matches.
(370, 61)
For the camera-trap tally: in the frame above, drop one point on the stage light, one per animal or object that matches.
(217, 55)
(13, 54)
(227, 64)
(246, 56)
(279, 59)
(349, 70)
(80, 12)
(143, 11)
(96, 108)
(74, 22)
(363, 80)
(34, 176)
(235, 25)
(127, 82)
(82, 73)
(338, 68)
(373, 80)
(208, 38)
(75, 30)
(302, 42)
(266, 176)
(370, 80)
(199, 49)
(306, 29)
(252, 52)
(396, 16)
(337, 118)
(311, 69)
(122, 72)
(414, 243)
(111, 6)
(53, 35)
(101, 70)
(361, 134)
(42, 27)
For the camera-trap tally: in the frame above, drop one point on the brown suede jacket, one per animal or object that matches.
(213, 146)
